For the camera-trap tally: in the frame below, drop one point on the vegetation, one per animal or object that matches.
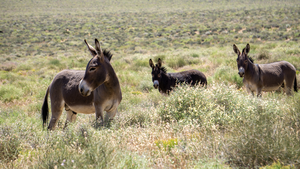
(220, 126)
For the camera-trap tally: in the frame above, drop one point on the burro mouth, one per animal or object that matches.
(84, 89)
(155, 84)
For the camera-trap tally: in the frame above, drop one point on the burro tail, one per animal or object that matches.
(295, 85)
(45, 109)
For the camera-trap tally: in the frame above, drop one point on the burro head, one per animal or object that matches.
(156, 72)
(242, 59)
(96, 70)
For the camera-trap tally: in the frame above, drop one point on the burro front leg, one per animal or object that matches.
(258, 91)
(110, 114)
(249, 90)
(99, 116)
(71, 117)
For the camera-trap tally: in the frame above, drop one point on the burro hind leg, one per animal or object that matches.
(57, 109)
(289, 86)
(71, 117)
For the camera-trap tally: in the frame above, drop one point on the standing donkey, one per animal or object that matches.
(165, 82)
(94, 90)
(265, 77)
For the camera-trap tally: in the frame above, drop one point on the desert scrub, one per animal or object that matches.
(228, 75)
(9, 93)
(84, 147)
(258, 130)
(9, 145)
(216, 105)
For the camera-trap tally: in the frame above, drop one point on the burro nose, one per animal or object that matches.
(155, 84)
(241, 71)
(84, 89)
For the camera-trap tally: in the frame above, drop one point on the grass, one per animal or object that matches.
(220, 126)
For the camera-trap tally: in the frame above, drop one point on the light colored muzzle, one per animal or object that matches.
(155, 84)
(84, 89)
(241, 72)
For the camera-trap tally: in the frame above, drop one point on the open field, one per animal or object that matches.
(220, 126)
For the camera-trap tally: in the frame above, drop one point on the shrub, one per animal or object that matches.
(227, 74)
(81, 148)
(215, 106)
(263, 55)
(258, 130)
(176, 63)
(10, 92)
(277, 165)
(9, 145)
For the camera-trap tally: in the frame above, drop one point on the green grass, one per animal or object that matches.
(220, 126)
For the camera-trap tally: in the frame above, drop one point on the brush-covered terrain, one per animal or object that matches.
(220, 126)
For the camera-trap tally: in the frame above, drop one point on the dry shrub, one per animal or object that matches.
(9, 145)
(263, 55)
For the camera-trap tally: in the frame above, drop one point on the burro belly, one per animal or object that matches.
(84, 109)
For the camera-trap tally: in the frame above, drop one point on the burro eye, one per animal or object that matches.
(92, 69)
(158, 75)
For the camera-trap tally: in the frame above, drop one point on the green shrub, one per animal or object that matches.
(277, 165)
(10, 92)
(227, 74)
(263, 55)
(166, 145)
(258, 130)
(9, 145)
(207, 107)
(176, 63)
(195, 55)
(80, 148)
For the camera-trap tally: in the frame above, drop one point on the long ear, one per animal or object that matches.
(159, 62)
(247, 49)
(91, 49)
(98, 48)
(236, 50)
(151, 64)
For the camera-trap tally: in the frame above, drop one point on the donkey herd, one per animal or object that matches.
(97, 89)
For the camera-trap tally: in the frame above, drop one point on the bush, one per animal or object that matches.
(9, 145)
(10, 92)
(227, 74)
(258, 130)
(80, 148)
(215, 106)
(263, 55)
(176, 63)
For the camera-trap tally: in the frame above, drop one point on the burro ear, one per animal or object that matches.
(99, 50)
(98, 47)
(151, 63)
(91, 49)
(236, 50)
(159, 63)
(247, 49)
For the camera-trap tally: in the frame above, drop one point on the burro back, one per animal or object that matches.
(94, 90)
(265, 77)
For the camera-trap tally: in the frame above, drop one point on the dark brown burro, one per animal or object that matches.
(94, 90)
(265, 77)
(165, 82)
